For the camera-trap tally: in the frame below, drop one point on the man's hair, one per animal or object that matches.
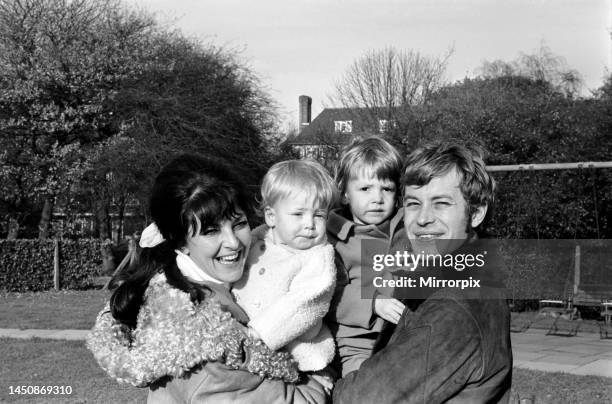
(437, 159)
(293, 178)
(374, 156)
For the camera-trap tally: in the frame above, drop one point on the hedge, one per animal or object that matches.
(27, 265)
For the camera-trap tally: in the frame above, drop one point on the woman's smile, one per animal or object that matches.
(230, 258)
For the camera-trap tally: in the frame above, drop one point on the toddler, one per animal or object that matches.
(290, 273)
(368, 177)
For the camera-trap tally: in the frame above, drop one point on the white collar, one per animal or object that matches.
(191, 270)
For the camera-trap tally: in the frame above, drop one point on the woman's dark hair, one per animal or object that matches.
(190, 194)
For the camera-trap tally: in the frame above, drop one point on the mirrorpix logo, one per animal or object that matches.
(425, 282)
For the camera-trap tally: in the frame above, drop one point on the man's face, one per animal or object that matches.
(438, 211)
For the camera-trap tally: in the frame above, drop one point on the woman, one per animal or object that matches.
(172, 324)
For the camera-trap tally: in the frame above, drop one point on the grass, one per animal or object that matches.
(64, 309)
(548, 387)
(71, 309)
(59, 363)
(68, 363)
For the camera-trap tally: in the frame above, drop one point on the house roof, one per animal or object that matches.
(321, 129)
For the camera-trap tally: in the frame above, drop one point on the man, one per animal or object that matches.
(455, 346)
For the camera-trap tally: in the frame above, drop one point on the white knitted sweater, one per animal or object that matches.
(286, 294)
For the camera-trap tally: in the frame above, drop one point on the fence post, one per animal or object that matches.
(577, 255)
(56, 265)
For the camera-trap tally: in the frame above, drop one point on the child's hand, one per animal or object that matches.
(388, 308)
(324, 380)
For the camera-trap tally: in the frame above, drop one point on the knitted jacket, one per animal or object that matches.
(286, 294)
(173, 335)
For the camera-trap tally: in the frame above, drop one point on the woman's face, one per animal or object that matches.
(221, 250)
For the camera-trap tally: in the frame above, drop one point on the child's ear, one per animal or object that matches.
(269, 216)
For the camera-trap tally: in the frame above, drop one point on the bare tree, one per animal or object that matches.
(382, 86)
(390, 78)
(542, 65)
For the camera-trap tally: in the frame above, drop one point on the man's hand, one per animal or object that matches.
(388, 308)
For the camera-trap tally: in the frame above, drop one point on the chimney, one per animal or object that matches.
(304, 112)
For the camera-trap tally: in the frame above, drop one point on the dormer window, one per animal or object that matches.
(343, 126)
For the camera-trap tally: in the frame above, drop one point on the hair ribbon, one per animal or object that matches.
(150, 237)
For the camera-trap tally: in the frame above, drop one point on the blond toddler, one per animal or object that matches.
(290, 272)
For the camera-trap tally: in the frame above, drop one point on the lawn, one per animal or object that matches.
(64, 309)
(59, 363)
(71, 309)
(69, 363)
(557, 388)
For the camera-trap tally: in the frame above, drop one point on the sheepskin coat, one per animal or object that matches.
(286, 293)
(173, 335)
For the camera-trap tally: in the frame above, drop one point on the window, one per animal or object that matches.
(301, 151)
(384, 125)
(310, 151)
(343, 126)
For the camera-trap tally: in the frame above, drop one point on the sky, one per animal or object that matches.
(302, 47)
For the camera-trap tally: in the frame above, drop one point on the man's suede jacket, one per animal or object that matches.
(455, 347)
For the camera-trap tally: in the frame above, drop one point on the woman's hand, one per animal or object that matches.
(251, 354)
(388, 308)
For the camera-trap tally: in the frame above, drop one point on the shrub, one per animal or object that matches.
(27, 265)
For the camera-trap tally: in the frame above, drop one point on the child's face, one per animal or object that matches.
(370, 199)
(297, 222)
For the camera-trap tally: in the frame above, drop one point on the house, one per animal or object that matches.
(324, 137)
